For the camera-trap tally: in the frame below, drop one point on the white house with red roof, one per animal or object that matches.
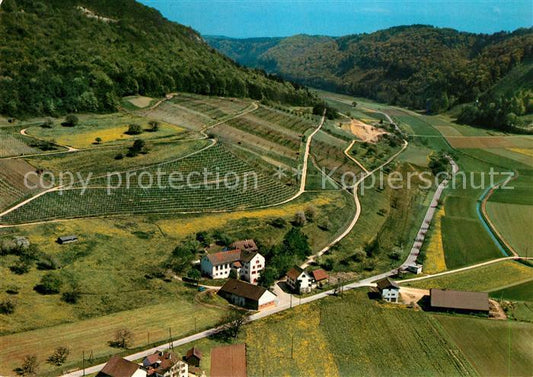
(246, 264)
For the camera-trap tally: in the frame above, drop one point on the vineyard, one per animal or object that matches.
(12, 145)
(230, 184)
(12, 188)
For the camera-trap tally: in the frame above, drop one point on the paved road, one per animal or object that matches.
(355, 191)
(421, 236)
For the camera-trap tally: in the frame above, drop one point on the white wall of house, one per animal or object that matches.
(267, 298)
(215, 272)
(303, 284)
(251, 271)
(139, 373)
(390, 294)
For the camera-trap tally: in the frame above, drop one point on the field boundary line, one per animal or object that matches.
(462, 269)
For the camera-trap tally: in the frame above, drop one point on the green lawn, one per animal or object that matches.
(152, 324)
(481, 279)
(519, 292)
(514, 222)
(349, 337)
(495, 348)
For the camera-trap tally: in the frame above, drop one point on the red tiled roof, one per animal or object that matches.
(224, 257)
(294, 272)
(118, 367)
(194, 352)
(237, 264)
(248, 245)
(228, 361)
(320, 275)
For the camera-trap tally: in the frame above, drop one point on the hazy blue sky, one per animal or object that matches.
(259, 18)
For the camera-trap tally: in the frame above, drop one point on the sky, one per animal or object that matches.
(280, 18)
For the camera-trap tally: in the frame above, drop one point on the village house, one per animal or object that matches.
(247, 295)
(459, 301)
(389, 290)
(165, 364)
(228, 361)
(247, 265)
(119, 367)
(299, 280)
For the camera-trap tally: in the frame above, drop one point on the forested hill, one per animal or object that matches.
(418, 66)
(60, 56)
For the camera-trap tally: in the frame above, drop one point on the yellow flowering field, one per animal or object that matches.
(435, 261)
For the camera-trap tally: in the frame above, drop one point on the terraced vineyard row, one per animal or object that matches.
(284, 120)
(248, 125)
(197, 195)
(215, 108)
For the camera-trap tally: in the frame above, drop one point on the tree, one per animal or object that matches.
(310, 213)
(98, 140)
(204, 238)
(59, 356)
(279, 222)
(372, 248)
(194, 274)
(268, 277)
(154, 126)
(30, 366)
(354, 103)
(134, 129)
(139, 146)
(7, 307)
(231, 324)
(71, 121)
(48, 123)
(50, 284)
(297, 243)
(299, 219)
(123, 338)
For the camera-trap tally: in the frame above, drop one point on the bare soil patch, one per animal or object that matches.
(140, 101)
(366, 132)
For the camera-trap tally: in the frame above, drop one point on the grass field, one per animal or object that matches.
(494, 348)
(513, 221)
(348, 337)
(109, 128)
(480, 279)
(179, 314)
(435, 258)
(519, 292)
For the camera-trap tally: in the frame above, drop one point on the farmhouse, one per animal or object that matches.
(228, 361)
(247, 265)
(67, 239)
(299, 280)
(389, 290)
(247, 295)
(165, 364)
(459, 301)
(194, 357)
(119, 367)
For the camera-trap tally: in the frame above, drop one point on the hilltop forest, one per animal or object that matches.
(63, 56)
(421, 67)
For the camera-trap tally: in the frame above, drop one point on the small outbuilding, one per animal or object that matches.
(67, 239)
(194, 357)
(415, 269)
(320, 277)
